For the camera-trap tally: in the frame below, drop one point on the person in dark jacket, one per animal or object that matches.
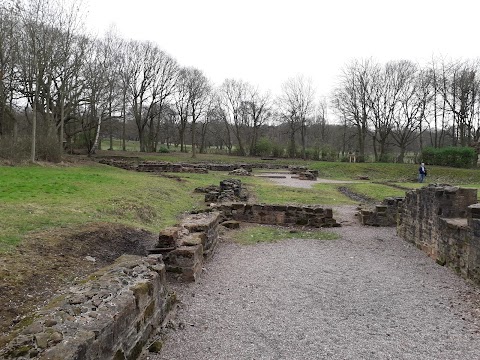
(422, 172)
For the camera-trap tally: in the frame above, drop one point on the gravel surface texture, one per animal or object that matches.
(292, 181)
(368, 295)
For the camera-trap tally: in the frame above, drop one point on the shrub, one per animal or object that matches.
(163, 150)
(15, 151)
(460, 157)
(312, 154)
(387, 158)
(328, 154)
(263, 147)
(278, 150)
(48, 149)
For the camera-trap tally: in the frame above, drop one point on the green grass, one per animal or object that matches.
(36, 198)
(375, 191)
(406, 173)
(410, 185)
(401, 173)
(261, 234)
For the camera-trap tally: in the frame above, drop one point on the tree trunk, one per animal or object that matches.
(124, 125)
(97, 136)
(194, 150)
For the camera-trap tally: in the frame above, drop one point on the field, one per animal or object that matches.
(54, 216)
(44, 196)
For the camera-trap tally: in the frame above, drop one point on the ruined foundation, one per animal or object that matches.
(444, 221)
(108, 316)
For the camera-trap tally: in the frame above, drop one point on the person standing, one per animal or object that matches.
(422, 172)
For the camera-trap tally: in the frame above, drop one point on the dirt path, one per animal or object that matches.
(369, 295)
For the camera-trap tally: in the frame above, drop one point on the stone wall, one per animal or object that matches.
(157, 166)
(314, 216)
(384, 214)
(230, 190)
(134, 163)
(186, 246)
(109, 316)
(444, 221)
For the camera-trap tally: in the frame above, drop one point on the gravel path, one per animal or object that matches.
(368, 295)
(291, 181)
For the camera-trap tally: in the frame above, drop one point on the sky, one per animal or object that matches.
(266, 42)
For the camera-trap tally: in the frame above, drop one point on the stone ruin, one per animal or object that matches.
(444, 222)
(229, 190)
(186, 246)
(240, 169)
(303, 173)
(110, 315)
(282, 215)
(113, 313)
(240, 172)
(164, 166)
(159, 167)
(384, 214)
(441, 220)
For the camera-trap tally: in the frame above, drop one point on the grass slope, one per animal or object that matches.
(41, 197)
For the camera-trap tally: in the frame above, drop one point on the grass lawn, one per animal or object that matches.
(375, 191)
(38, 197)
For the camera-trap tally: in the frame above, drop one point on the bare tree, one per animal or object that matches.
(8, 59)
(153, 77)
(181, 102)
(199, 91)
(437, 122)
(319, 126)
(95, 94)
(413, 99)
(259, 111)
(351, 98)
(296, 104)
(233, 94)
(37, 17)
(460, 92)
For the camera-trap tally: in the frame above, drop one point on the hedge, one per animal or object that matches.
(460, 157)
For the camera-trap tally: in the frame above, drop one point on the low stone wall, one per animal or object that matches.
(165, 166)
(109, 316)
(384, 214)
(122, 163)
(153, 166)
(314, 216)
(186, 246)
(303, 173)
(230, 190)
(444, 221)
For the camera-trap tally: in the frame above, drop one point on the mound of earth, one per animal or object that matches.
(47, 262)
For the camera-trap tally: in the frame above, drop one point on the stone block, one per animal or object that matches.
(192, 239)
(201, 222)
(231, 224)
(168, 237)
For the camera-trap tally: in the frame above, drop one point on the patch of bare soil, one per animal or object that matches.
(355, 196)
(47, 262)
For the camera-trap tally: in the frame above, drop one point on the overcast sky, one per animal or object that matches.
(265, 42)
